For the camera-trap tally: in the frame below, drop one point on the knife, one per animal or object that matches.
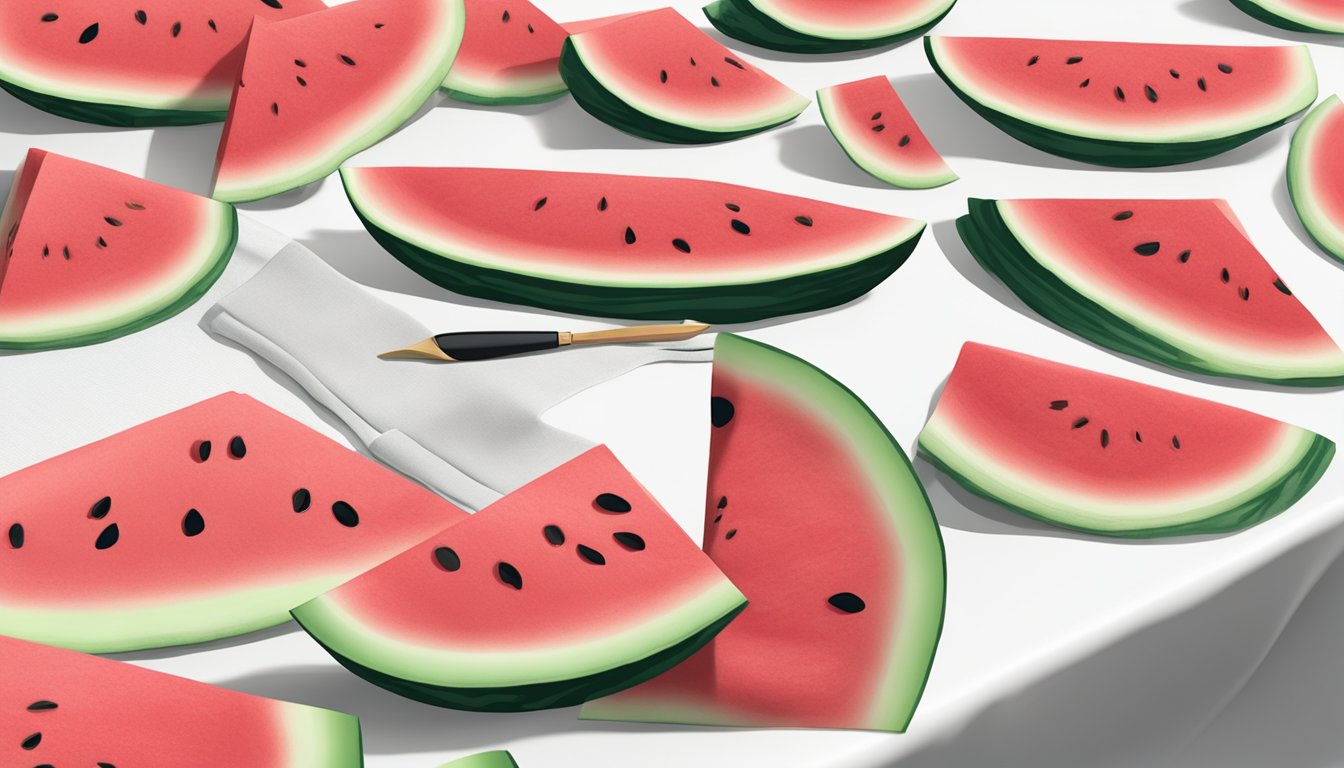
(465, 346)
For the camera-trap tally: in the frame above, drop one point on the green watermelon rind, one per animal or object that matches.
(1283, 19)
(710, 303)
(723, 602)
(488, 98)
(598, 101)
(1120, 152)
(116, 115)
(496, 759)
(833, 118)
(107, 328)
(318, 736)
(1327, 234)
(742, 20)
(998, 250)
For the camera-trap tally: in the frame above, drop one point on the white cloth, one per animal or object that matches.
(470, 431)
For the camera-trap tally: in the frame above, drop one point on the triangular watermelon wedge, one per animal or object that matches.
(1298, 15)
(810, 26)
(1172, 281)
(1106, 455)
(814, 511)
(316, 89)
(59, 708)
(207, 522)
(1316, 175)
(873, 126)
(91, 254)
(571, 587)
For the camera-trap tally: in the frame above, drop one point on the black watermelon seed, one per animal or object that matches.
(16, 536)
(273, 3)
(505, 17)
(177, 28)
(530, 30)
(847, 602)
(693, 61)
(629, 236)
(904, 140)
(591, 555)
(554, 535)
(41, 706)
(1085, 83)
(50, 17)
(275, 108)
(345, 514)
(1150, 93)
(806, 221)
(681, 245)
(347, 60)
(733, 62)
(602, 204)
(1147, 249)
(1058, 405)
(300, 500)
(1225, 69)
(88, 34)
(1282, 288)
(662, 75)
(723, 502)
(447, 559)
(108, 537)
(1119, 93)
(32, 741)
(631, 541)
(299, 79)
(1245, 293)
(203, 450)
(1032, 61)
(876, 116)
(714, 81)
(211, 23)
(112, 221)
(45, 251)
(141, 17)
(610, 502)
(300, 63)
(1175, 442)
(730, 534)
(1074, 59)
(717, 518)
(1105, 438)
(1184, 257)
(1202, 85)
(1226, 275)
(101, 242)
(237, 448)
(740, 227)
(541, 203)
(1121, 216)
(100, 508)
(44, 765)
(721, 411)
(65, 249)
(106, 765)
(734, 207)
(509, 575)
(879, 128)
(193, 524)
(1175, 74)
(1080, 423)
(1138, 438)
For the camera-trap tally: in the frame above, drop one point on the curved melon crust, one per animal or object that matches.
(1295, 15)
(1314, 174)
(1160, 142)
(316, 736)
(496, 759)
(1064, 297)
(767, 24)
(855, 136)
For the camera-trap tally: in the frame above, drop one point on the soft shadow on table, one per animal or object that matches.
(812, 150)
(1223, 13)
(1283, 203)
(18, 116)
(214, 645)
(564, 125)
(184, 156)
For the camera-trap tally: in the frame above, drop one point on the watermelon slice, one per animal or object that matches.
(91, 254)
(496, 759)
(879, 134)
(658, 76)
(1107, 455)
(809, 26)
(1126, 104)
(1172, 281)
(510, 55)
(59, 708)
(1297, 15)
(130, 62)
(319, 88)
(624, 246)
(1316, 175)
(814, 512)
(208, 522)
(574, 586)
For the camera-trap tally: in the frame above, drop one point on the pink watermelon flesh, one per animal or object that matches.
(1316, 174)
(510, 54)
(130, 62)
(207, 522)
(570, 587)
(814, 512)
(59, 708)
(879, 134)
(1109, 455)
(317, 89)
(1299, 15)
(91, 253)
(583, 25)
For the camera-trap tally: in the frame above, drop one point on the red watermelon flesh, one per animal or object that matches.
(130, 62)
(583, 25)
(317, 89)
(1316, 174)
(60, 708)
(576, 585)
(873, 126)
(510, 54)
(207, 522)
(814, 512)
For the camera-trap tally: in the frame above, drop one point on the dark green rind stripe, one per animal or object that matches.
(606, 106)
(112, 114)
(742, 20)
(1269, 17)
(190, 296)
(992, 244)
(1118, 154)
(526, 698)
(1273, 500)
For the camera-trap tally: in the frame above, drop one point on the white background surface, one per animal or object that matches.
(1058, 649)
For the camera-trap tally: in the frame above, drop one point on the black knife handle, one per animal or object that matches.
(485, 345)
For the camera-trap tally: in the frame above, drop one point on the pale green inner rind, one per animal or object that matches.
(905, 22)
(496, 759)
(842, 130)
(503, 91)
(46, 83)
(320, 737)
(1305, 175)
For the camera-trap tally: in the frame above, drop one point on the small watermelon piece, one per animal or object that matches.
(130, 62)
(60, 708)
(813, 510)
(627, 246)
(510, 54)
(207, 522)
(574, 586)
(1316, 175)
(1298, 15)
(825, 26)
(92, 254)
(879, 134)
(658, 76)
(497, 759)
(1172, 281)
(1106, 455)
(1126, 104)
(317, 89)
